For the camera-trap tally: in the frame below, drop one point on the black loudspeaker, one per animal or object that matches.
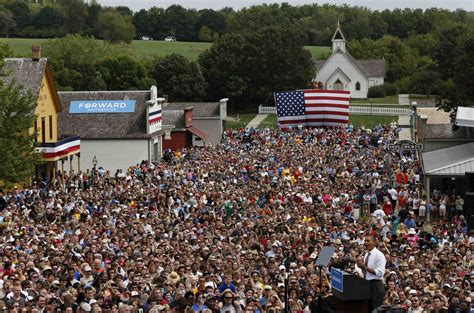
(469, 210)
(469, 181)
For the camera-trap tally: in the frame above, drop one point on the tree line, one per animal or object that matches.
(256, 50)
(20, 18)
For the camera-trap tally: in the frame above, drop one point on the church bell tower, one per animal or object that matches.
(338, 40)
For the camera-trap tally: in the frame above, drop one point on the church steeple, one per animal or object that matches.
(338, 40)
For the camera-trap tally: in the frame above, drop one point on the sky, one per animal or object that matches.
(136, 5)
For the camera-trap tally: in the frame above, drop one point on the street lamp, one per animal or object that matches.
(94, 162)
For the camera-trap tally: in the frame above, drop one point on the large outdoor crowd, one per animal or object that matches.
(230, 228)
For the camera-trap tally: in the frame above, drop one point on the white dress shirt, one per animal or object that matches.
(377, 262)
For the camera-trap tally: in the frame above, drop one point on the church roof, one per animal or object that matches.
(370, 68)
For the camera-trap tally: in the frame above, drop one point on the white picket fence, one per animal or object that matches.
(356, 110)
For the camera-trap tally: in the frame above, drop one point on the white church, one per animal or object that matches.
(342, 72)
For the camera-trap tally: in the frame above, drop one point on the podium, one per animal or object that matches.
(352, 291)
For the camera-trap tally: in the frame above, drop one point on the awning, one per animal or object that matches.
(465, 117)
(452, 161)
(198, 132)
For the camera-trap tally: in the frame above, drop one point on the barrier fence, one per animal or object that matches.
(356, 110)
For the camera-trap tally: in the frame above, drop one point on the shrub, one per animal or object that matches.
(376, 92)
(390, 89)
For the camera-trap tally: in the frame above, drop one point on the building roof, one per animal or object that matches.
(173, 117)
(29, 74)
(465, 117)
(452, 161)
(104, 125)
(25, 72)
(200, 109)
(370, 68)
(440, 127)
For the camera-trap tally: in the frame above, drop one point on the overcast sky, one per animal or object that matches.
(136, 5)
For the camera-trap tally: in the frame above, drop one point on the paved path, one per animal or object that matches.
(256, 120)
(405, 134)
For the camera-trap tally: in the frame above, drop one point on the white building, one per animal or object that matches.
(342, 72)
(119, 128)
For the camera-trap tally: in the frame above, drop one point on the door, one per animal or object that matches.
(338, 85)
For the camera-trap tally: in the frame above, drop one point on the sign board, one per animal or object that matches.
(336, 279)
(153, 111)
(102, 106)
(405, 145)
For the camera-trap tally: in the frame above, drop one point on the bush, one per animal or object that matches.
(376, 92)
(390, 89)
(404, 84)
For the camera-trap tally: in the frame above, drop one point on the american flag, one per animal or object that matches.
(312, 108)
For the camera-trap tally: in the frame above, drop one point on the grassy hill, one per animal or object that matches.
(191, 50)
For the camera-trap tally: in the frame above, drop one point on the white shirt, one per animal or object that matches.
(377, 262)
(379, 214)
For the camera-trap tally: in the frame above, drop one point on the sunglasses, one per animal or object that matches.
(228, 297)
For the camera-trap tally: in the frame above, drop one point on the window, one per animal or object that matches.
(357, 86)
(50, 127)
(43, 130)
(36, 130)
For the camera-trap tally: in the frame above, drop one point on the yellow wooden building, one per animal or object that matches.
(34, 74)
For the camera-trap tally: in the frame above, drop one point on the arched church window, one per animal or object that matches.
(357, 86)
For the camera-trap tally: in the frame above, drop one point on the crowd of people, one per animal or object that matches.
(234, 228)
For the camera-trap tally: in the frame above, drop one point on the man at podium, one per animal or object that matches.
(372, 268)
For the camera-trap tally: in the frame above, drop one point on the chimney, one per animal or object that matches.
(36, 52)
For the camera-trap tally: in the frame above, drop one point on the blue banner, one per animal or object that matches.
(336, 279)
(102, 106)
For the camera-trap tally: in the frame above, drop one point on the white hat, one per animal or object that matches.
(282, 267)
(86, 307)
(411, 231)
(209, 284)
(88, 268)
(134, 293)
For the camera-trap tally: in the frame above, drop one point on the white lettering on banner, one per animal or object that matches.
(103, 105)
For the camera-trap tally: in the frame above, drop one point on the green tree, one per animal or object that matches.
(178, 78)
(123, 73)
(425, 82)
(460, 91)
(93, 11)
(21, 14)
(445, 51)
(7, 23)
(400, 60)
(72, 60)
(114, 27)
(75, 15)
(180, 23)
(48, 17)
(17, 157)
(224, 67)
(214, 20)
(250, 68)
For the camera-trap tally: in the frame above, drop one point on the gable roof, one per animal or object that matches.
(370, 68)
(338, 35)
(450, 161)
(104, 125)
(29, 74)
(173, 117)
(200, 109)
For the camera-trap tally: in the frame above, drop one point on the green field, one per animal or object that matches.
(244, 119)
(191, 50)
